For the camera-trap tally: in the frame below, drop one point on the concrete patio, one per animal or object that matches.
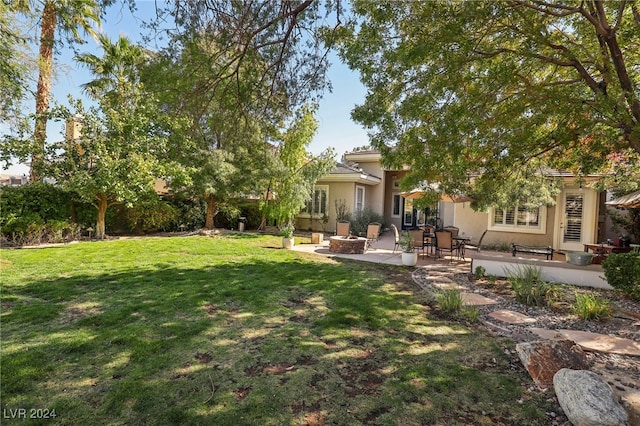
(494, 263)
(381, 251)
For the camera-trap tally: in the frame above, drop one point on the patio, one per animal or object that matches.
(495, 263)
(381, 251)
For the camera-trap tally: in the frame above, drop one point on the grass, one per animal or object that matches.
(529, 287)
(232, 330)
(450, 301)
(590, 306)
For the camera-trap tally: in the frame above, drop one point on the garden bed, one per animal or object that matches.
(552, 270)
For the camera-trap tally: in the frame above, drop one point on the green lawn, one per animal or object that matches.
(233, 330)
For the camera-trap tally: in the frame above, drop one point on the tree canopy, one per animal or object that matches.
(238, 70)
(501, 89)
(296, 171)
(124, 140)
(14, 70)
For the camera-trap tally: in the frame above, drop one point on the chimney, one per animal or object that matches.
(74, 131)
(74, 127)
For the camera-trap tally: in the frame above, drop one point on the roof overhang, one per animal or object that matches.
(361, 178)
(363, 156)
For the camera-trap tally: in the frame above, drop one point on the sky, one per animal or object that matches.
(335, 127)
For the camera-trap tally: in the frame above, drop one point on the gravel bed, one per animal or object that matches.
(620, 371)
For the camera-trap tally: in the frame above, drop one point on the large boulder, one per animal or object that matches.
(543, 358)
(587, 399)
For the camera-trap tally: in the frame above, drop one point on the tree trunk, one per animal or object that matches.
(102, 204)
(211, 212)
(47, 34)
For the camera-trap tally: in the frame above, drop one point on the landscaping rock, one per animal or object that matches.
(587, 399)
(544, 358)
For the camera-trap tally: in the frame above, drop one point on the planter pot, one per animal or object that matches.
(410, 259)
(579, 258)
(287, 243)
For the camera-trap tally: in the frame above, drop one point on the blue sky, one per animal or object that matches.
(335, 129)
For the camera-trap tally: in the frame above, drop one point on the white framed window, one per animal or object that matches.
(408, 213)
(518, 219)
(359, 198)
(396, 206)
(318, 204)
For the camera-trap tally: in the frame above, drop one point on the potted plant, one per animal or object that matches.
(287, 236)
(409, 256)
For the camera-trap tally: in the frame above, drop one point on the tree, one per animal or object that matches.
(292, 182)
(67, 17)
(125, 139)
(504, 89)
(238, 70)
(277, 39)
(13, 63)
(227, 147)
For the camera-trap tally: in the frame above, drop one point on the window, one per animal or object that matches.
(397, 203)
(518, 219)
(408, 213)
(359, 198)
(317, 204)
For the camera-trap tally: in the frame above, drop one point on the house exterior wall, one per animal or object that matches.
(391, 188)
(375, 194)
(380, 187)
(338, 191)
(474, 223)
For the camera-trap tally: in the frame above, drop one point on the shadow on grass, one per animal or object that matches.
(248, 341)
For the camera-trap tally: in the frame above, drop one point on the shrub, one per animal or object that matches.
(480, 272)
(41, 212)
(529, 287)
(24, 230)
(622, 272)
(47, 201)
(450, 301)
(191, 213)
(150, 215)
(58, 231)
(228, 218)
(362, 219)
(589, 306)
(470, 313)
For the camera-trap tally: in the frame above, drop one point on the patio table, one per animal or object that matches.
(602, 250)
(461, 240)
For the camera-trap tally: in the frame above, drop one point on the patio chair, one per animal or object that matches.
(444, 242)
(475, 246)
(430, 237)
(373, 233)
(453, 229)
(342, 228)
(396, 235)
(417, 235)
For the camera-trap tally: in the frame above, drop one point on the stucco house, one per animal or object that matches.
(360, 181)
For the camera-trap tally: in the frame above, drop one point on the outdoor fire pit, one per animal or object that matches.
(347, 245)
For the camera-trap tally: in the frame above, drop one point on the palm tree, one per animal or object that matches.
(118, 67)
(68, 17)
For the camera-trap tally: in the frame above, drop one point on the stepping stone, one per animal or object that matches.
(603, 343)
(473, 299)
(594, 341)
(511, 317)
(547, 334)
(446, 285)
